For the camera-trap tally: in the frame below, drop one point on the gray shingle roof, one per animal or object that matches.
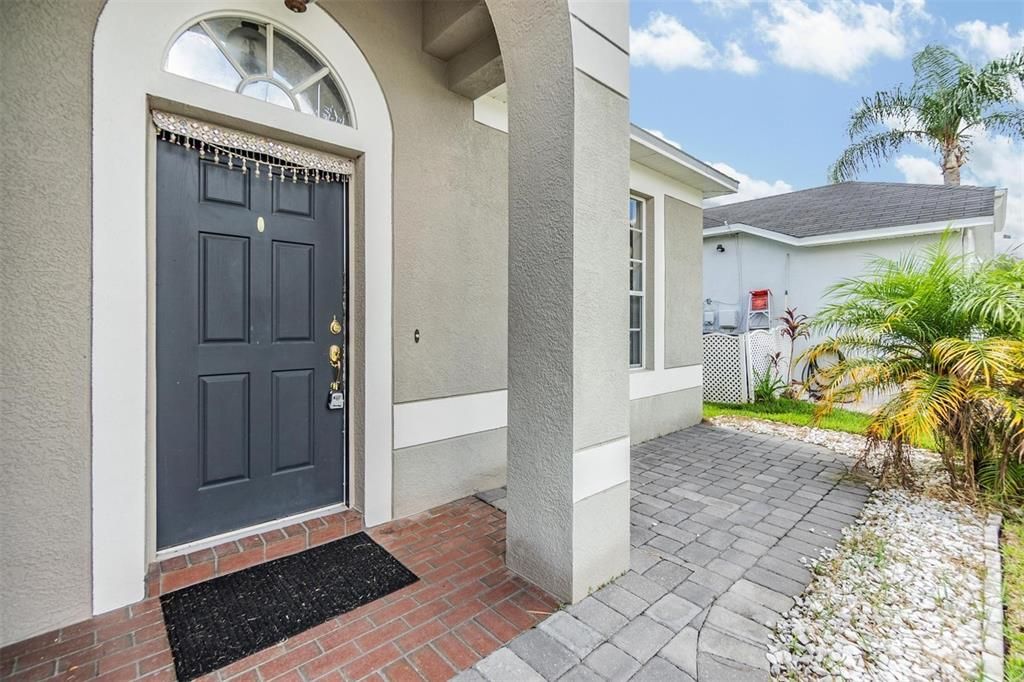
(852, 206)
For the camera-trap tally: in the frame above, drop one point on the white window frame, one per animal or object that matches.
(326, 71)
(641, 228)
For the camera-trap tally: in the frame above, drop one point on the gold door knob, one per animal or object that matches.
(334, 353)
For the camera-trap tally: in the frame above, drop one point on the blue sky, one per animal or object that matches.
(766, 88)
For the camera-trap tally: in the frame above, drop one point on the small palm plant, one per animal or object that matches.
(949, 101)
(943, 344)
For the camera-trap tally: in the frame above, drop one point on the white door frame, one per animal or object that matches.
(130, 43)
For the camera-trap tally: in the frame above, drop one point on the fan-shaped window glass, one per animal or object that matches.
(258, 60)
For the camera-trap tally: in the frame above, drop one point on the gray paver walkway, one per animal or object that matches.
(720, 522)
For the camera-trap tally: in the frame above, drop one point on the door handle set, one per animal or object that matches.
(334, 356)
(335, 397)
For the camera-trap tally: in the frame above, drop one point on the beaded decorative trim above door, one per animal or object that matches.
(252, 152)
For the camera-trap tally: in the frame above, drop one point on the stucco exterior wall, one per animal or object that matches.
(434, 473)
(450, 249)
(450, 263)
(660, 414)
(600, 273)
(45, 537)
(450, 212)
(683, 283)
(450, 283)
(751, 262)
(665, 395)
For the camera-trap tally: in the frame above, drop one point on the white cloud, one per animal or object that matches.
(838, 37)
(989, 41)
(723, 7)
(738, 61)
(919, 170)
(750, 188)
(657, 133)
(668, 45)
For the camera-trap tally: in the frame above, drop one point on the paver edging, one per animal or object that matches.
(993, 651)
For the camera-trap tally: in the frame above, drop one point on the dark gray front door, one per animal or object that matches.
(242, 335)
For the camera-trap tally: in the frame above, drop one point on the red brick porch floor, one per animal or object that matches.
(465, 605)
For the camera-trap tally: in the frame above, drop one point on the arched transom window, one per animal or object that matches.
(259, 60)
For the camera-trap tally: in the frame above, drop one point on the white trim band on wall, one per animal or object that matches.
(427, 421)
(644, 384)
(599, 467)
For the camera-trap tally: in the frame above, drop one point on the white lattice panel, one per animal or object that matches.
(760, 346)
(724, 369)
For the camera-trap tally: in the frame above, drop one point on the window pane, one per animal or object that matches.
(636, 281)
(636, 307)
(634, 349)
(324, 99)
(268, 92)
(634, 212)
(245, 41)
(293, 64)
(195, 55)
(636, 245)
(229, 51)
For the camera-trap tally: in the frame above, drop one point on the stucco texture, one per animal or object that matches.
(568, 383)
(450, 246)
(45, 508)
(538, 63)
(434, 473)
(658, 415)
(450, 212)
(600, 306)
(683, 283)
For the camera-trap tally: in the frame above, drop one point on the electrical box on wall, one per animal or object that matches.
(728, 319)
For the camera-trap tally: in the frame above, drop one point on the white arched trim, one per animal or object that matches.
(127, 77)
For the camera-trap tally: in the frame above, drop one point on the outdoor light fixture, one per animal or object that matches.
(298, 5)
(720, 249)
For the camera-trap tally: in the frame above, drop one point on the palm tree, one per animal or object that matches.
(949, 101)
(943, 344)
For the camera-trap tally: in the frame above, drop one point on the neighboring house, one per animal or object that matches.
(261, 266)
(801, 243)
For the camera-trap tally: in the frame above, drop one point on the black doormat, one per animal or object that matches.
(218, 622)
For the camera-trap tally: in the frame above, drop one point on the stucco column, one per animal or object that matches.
(566, 66)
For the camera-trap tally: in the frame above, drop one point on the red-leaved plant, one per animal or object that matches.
(794, 327)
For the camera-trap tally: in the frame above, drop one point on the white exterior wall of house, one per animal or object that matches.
(800, 276)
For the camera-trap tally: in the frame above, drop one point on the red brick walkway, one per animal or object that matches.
(465, 605)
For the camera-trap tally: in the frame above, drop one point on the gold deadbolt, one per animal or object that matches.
(260, 224)
(335, 325)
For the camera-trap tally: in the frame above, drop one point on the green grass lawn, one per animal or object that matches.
(1013, 597)
(796, 412)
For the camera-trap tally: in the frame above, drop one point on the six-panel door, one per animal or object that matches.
(250, 274)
